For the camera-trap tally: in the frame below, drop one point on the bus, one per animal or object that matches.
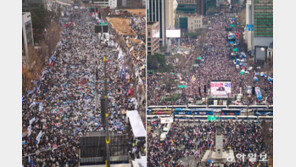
(230, 111)
(263, 112)
(160, 111)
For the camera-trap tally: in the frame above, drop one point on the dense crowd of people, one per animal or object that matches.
(194, 139)
(215, 64)
(63, 106)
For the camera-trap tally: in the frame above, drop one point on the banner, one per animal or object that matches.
(166, 120)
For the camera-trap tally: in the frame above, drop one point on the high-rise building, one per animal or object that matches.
(152, 37)
(263, 18)
(170, 18)
(27, 31)
(156, 13)
(187, 6)
(259, 25)
(201, 7)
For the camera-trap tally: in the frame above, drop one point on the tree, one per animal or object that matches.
(40, 19)
(157, 62)
(52, 36)
(31, 66)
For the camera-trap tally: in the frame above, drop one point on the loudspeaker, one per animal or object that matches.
(253, 90)
(205, 88)
(98, 29)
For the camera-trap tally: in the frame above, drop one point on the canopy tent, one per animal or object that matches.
(142, 161)
(136, 123)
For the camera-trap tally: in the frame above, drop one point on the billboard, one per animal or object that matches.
(173, 33)
(166, 120)
(220, 89)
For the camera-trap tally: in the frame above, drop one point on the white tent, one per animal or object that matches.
(142, 161)
(136, 123)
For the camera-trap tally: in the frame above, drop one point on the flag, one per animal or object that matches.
(32, 91)
(29, 130)
(40, 107)
(32, 104)
(130, 92)
(32, 120)
(39, 136)
(193, 78)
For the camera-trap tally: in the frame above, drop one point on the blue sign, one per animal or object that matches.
(250, 27)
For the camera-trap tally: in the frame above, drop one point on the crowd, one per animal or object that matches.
(214, 64)
(63, 106)
(193, 139)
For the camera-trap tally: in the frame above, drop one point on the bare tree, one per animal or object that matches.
(52, 36)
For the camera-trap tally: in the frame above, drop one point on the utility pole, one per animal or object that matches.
(104, 113)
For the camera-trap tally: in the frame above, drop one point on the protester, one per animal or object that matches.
(62, 106)
(187, 139)
(215, 64)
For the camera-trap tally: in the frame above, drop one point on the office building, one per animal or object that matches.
(194, 23)
(152, 37)
(170, 16)
(187, 6)
(259, 25)
(192, 6)
(189, 22)
(156, 13)
(27, 33)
